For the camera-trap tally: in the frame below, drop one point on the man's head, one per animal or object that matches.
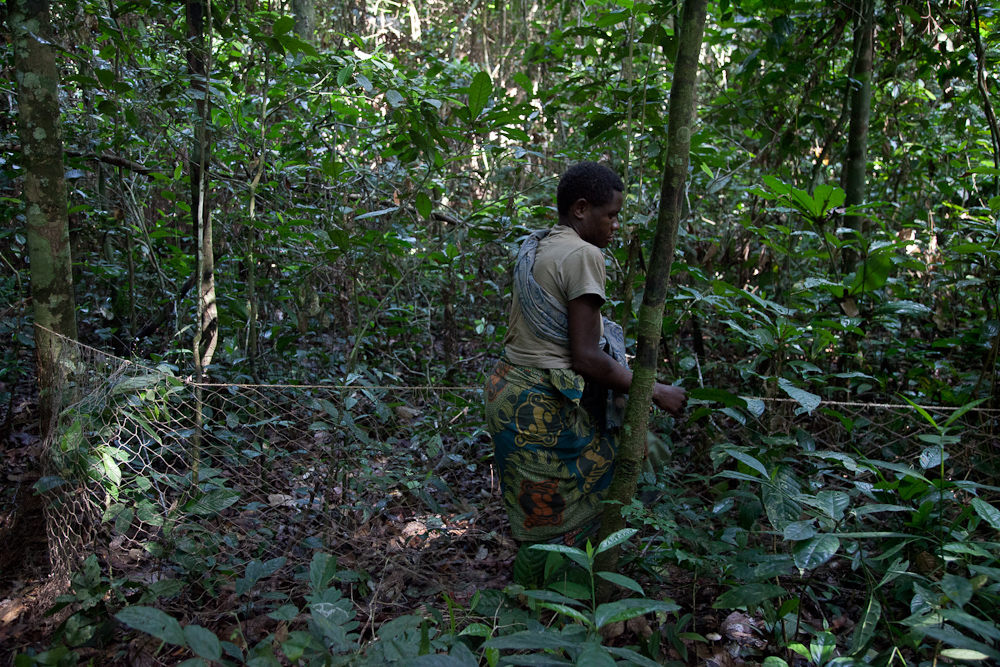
(589, 199)
(587, 180)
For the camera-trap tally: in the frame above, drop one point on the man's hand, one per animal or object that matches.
(670, 398)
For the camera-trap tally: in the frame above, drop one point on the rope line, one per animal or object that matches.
(341, 387)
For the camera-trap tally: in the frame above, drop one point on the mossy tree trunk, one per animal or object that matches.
(856, 166)
(681, 119)
(47, 228)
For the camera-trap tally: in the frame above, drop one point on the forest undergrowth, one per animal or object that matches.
(781, 531)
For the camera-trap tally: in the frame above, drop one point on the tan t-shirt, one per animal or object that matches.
(566, 267)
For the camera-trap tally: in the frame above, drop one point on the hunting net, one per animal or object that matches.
(153, 471)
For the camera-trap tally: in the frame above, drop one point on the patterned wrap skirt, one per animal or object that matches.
(555, 464)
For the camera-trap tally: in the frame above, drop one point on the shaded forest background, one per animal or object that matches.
(330, 195)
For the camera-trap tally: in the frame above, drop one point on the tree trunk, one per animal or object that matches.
(632, 446)
(857, 138)
(206, 335)
(46, 213)
(305, 19)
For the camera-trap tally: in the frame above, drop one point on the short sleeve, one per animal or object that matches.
(582, 272)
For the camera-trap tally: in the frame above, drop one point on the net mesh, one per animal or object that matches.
(146, 465)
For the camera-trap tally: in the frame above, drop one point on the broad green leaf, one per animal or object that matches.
(985, 629)
(153, 622)
(748, 595)
(394, 98)
(566, 610)
(285, 613)
(613, 540)
(212, 502)
(633, 658)
(814, 552)
(750, 461)
(527, 640)
(550, 596)
(364, 82)
(578, 556)
(621, 580)
(807, 400)
(594, 655)
(622, 610)
(873, 273)
(958, 589)
(774, 661)
(948, 635)
(479, 93)
(832, 503)
(777, 497)
(932, 457)
(988, 512)
(727, 398)
(962, 410)
(283, 24)
(203, 642)
(321, 570)
(799, 530)
(864, 631)
(424, 205)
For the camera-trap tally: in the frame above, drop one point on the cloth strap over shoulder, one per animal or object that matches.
(548, 318)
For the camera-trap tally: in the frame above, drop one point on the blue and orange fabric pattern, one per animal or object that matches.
(554, 464)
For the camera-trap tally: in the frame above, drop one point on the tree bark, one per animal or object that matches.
(305, 19)
(46, 212)
(682, 106)
(856, 167)
(206, 335)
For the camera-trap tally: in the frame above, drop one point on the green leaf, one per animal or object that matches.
(424, 205)
(566, 610)
(777, 498)
(212, 502)
(814, 552)
(807, 400)
(750, 461)
(832, 503)
(989, 513)
(864, 631)
(774, 661)
(798, 531)
(364, 82)
(394, 98)
(613, 540)
(727, 398)
(479, 94)
(958, 589)
(633, 658)
(257, 570)
(621, 580)
(285, 613)
(550, 596)
(153, 622)
(321, 570)
(283, 24)
(985, 629)
(578, 556)
(963, 654)
(874, 273)
(748, 595)
(594, 655)
(203, 642)
(932, 457)
(527, 640)
(622, 610)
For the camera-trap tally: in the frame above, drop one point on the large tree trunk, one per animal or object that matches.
(632, 447)
(305, 19)
(47, 227)
(856, 167)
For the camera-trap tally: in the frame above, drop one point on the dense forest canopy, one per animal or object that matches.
(330, 195)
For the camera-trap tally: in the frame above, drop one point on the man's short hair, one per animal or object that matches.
(588, 180)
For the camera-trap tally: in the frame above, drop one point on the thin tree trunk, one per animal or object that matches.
(206, 335)
(984, 92)
(856, 168)
(682, 106)
(46, 212)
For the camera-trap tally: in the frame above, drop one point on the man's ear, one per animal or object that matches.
(579, 207)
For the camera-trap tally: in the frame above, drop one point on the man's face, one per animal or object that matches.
(599, 223)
